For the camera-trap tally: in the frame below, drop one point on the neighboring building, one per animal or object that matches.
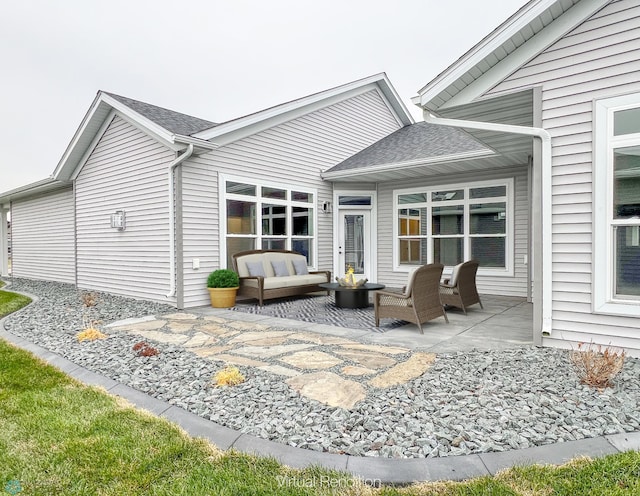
(528, 162)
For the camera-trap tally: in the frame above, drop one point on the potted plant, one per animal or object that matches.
(223, 285)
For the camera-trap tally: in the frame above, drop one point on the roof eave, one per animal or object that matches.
(390, 167)
(429, 96)
(31, 189)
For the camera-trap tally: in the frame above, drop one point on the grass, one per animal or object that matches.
(60, 437)
(11, 302)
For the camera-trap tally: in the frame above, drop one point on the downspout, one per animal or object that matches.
(172, 221)
(545, 202)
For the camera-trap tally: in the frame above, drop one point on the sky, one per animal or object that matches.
(217, 60)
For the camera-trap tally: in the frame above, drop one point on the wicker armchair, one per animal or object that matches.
(460, 291)
(419, 302)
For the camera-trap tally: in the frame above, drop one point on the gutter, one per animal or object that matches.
(545, 200)
(172, 221)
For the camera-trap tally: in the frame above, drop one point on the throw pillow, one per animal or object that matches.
(453, 280)
(300, 266)
(280, 268)
(255, 269)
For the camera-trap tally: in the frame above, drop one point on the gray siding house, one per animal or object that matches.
(528, 160)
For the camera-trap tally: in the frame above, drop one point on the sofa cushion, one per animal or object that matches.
(280, 268)
(300, 266)
(255, 269)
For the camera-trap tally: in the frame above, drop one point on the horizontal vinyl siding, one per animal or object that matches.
(42, 237)
(499, 285)
(291, 154)
(600, 58)
(126, 170)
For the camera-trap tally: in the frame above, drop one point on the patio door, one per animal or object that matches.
(354, 243)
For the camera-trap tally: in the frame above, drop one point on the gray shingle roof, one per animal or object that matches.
(421, 140)
(174, 122)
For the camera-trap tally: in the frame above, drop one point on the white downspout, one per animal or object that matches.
(172, 221)
(545, 139)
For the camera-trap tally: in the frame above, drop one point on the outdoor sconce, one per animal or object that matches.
(119, 220)
(326, 207)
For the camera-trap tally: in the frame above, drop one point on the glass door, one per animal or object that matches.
(354, 243)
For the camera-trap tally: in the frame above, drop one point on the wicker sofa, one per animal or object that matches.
(266, 274)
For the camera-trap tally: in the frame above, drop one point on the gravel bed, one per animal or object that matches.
(472, 402)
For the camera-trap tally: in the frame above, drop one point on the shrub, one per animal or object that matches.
(144, 349)
(596, 366)
(89, 299)
(223, 278)
(228, 376)
(90, 334)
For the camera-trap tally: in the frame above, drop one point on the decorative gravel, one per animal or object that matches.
(466, 403)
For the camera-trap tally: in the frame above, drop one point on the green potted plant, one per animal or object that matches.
(223, 285)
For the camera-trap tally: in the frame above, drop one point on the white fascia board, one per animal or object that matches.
(407, 164)
(31, 189)
(245, 126)
(484, 48)
(101, 111)
(526, 52)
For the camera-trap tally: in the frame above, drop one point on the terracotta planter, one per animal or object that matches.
(222, 297)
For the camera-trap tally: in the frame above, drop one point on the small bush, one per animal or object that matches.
(90, 334)
(597, 366)
(89, 299)
(223, 278)
(228, 376)
(144, 349)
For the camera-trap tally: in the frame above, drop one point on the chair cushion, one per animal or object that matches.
(453, 280)
(300, 266)
(280, 268)
(256, 269)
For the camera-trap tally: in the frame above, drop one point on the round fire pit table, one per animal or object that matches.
(349, 296)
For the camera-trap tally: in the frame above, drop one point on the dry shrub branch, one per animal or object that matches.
(597, 366)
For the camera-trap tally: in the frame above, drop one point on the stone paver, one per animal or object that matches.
(236, 360)
(350, 370)
(317, 338)
(163, 337)
(367, 359)
(200, 339)
(280, 370)
(209, 351)
(416, 365)
(387, 350)
(144, 326)
(180, 326)
(217, 330)
(311, 360)
(328, 388)
(180, 316)
(271, 351)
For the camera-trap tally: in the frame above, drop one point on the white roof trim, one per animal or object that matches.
(574, 16)
(456, 157)
(42, 186)
(245, 126)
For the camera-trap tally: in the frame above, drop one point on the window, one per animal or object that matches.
(268, 217)
(449, 225)
(617, 205)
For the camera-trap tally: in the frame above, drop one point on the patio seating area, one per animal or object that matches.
(504, 322)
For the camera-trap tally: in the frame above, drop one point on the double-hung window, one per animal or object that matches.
(268, 217)
(617, 205)
(453, 223)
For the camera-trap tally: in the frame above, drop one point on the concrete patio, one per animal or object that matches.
(504, 322)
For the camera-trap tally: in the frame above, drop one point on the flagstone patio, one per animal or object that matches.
(332, 364)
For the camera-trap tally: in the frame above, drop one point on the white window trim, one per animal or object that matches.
(222, 206)
(508, 271)
(603, 300)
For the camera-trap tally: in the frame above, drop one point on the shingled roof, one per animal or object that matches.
(174, 122)
(421, 140)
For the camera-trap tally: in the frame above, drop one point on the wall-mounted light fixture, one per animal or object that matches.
(119, 220)
(326, 207)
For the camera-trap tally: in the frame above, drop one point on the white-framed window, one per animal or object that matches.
(256, 215)
(616, 285)
(449, 224)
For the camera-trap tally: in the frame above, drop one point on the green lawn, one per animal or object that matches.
(11, 302)
(60, 437)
